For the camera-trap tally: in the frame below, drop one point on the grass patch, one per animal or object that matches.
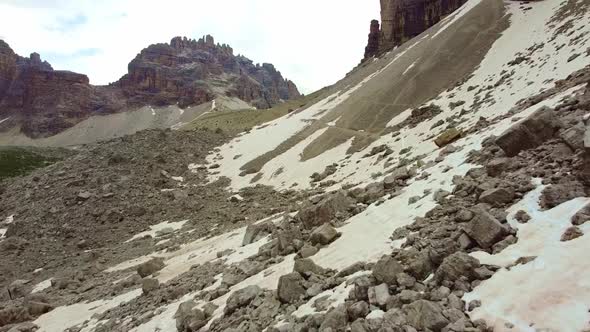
(18, 161)
(235, 122)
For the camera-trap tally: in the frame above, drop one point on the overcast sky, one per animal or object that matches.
(312, 42)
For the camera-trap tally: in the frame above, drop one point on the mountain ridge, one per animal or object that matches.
(43, 101)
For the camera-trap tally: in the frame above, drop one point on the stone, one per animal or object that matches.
(324, 235)
(255, 232)
(582, 216)
(241, 298)
(497, 196)
(360, 290)
(464, 215)
(557, 194)
(456, 266)
(37, 308)
(188, 318)
(465, 241)
(306, 266)
(522, 217)
(290, 288)
(335, 320)
(447, 137)
(505, 243)
(497, 166)
(150, 267)
(358, 310)
(83, 196)
(149, 285)
(387, 269)
(379, 295)
(529, 133)
(308, 250)
(574, 137)
(425, 315)
(485, 229)
(571, 233)
(313, 215)
(18, 288)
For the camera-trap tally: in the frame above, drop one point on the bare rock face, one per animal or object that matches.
(402, 20)
(372, 48)
(43, 101)
(179, 71)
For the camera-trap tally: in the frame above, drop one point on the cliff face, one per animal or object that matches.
(190, 72)
(402, 20)
(43, 101)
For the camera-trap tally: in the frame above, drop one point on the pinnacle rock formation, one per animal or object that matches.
(402, 20)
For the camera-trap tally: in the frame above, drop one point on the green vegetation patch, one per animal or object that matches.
(17, 161)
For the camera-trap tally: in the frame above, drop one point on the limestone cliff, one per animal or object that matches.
(42, 101)
(402, 20)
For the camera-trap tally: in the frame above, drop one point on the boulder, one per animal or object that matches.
(290, 288)
(557, 194)
(18, 288)
(149, 285)
(324, 235)
(447, 137)
(582, 216)
(358, 310)
(150, 267)
(425, 315)
(387, 269)
(571, 233)
(308, 250)
(313, 215)
(522, 217)
(241, 298)
(379, 295)
(497, 196)
(306, 267)
(574, 137)
(485, 229)
(188, 318)
(456, 266)
(540, 126)
(360, 290)
(335, 320)
(255, 232)
(497, 166)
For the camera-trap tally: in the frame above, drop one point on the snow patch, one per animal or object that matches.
(549, 293)
(43, 285)
(157, 230)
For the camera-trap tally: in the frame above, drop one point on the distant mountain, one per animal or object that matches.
(43, 101)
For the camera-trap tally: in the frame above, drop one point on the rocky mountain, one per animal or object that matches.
(419, 193)
(402, 20)
(43, 102)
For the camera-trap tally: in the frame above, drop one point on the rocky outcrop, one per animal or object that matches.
(43, 101)
(372, 48)
(402, 20)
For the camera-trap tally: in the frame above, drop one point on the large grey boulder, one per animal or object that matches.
(540, 126)
(290, 288)
(387, 269)
(313, 215)
(188, 318)
(255, 232)
(150, 267)
(425, 315)
(241, 298)
(456, 266)
(379, 295)
(485, 229)
(335, 320)
(306, 267)
(325, 234)
(497, 196)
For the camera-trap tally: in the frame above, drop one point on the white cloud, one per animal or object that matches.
(312, 42)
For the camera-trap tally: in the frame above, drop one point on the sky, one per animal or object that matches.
(312, 42)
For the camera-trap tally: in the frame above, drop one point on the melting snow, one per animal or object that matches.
(65, 317)
(549, 293)
(159, 229)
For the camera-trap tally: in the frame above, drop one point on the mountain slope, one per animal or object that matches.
(441, 187)
(43, 102)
